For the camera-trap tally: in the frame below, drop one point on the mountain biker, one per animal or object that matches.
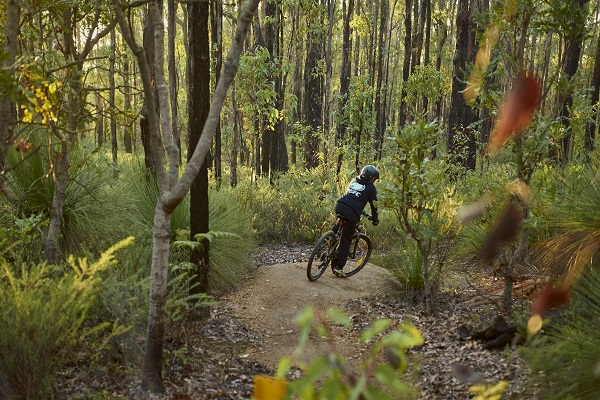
(360, 192)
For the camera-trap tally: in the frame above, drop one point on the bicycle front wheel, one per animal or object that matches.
(321, 256)
(360, 251)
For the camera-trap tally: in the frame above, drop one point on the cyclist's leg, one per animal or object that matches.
(344, 247)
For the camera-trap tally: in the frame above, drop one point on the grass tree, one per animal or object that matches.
(172, 185)
(415, 197)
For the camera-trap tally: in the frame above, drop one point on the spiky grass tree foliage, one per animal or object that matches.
(90, 221)
(566, 358)
(577, 239)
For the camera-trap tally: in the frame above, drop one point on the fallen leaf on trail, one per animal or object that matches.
(517, 110)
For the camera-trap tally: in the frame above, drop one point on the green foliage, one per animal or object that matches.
(298, 206)
(328, 376)
(565, 357)
(43, 311)
(426, 81)
(87, 196)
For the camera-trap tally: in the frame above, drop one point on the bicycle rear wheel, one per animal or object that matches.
(321, 255)
(360, 251)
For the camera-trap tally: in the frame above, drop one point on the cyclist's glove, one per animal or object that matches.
(375, 221)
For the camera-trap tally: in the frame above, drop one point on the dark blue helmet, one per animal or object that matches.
(369, 172)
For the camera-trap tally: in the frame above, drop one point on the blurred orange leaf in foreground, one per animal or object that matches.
(266, 388)
(516, 112)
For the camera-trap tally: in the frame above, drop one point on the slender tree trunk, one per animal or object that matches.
(217, 43)
(173, 186)
(328, 73)
(148, 43)
(380, 118)
(199, 106)
(346, 68)
(461, 115)
(569, 68)
(173, 84)
(590, 133)
(297, 85)
(313, 101)
(7, 107)
(128, 127)
(111, 78)
(407, 55)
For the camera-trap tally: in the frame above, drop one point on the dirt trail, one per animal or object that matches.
(270, 300)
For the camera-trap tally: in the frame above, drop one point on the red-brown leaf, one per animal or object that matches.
(504, 230)
(517, 110)
(549, 297)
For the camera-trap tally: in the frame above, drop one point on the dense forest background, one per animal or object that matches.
(204, 128)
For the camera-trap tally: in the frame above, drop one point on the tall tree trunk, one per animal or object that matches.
(407, 55)
(111, 78)
(328, 73)
(590, 133)
(7, 107)
(148, 43)
(313, 100)
(199, 105)
(297, 83)
(173, 186)
(74, 60)
(173, 84)
(217, 43)
(569, 69)
(99, 121)
(461, 115)
(278, 149)
(346, 68)
(128, 126)
(380, 118)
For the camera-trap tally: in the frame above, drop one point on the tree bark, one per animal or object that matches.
(570, 65)
(217, 43)
(461, 115)
(346, 68)
(380, 117)
(313, 101)
(199, 105)
(173, 189)
(128, 127)
(7, 107)
(590, 133)
(173, 84)
(111, 78)
(407, 56)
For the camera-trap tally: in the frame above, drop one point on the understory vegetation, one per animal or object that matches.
(100, 307)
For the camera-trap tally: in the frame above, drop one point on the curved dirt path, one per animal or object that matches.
(270, 300)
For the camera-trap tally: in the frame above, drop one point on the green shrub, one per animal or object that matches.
(42, 317)
(327, 377)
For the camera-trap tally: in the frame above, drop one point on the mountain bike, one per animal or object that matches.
(326, 247)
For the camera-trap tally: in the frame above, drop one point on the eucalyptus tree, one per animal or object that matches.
(590, 134)
(71, 19)
(312, 108)
(199, 106)
(172, 185)
(7, 114)
(572, 15)
(346, 68)
(461, 138)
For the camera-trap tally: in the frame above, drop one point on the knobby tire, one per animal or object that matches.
(360, 252)
(320, 258)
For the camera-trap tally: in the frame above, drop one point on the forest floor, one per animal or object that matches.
(252, 328)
